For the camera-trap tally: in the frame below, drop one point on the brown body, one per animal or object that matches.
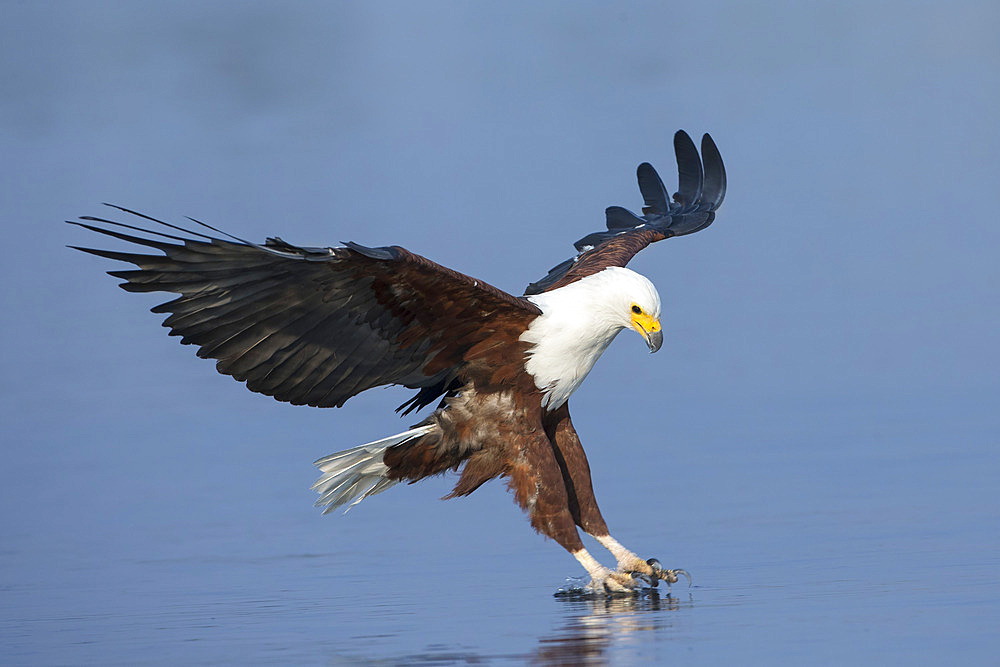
(498, 433)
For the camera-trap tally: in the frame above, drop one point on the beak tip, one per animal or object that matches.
(654, 341)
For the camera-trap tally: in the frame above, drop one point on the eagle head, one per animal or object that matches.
(579, 320)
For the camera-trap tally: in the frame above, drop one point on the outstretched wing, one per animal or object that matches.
(314, 326)
(700, 192)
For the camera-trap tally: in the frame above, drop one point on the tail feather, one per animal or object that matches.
(354, 474)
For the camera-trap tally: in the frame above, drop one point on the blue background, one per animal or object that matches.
(816, 441)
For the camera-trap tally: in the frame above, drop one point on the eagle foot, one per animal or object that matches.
(656, 574)
(610, 582)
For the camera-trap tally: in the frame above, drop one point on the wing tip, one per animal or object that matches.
(701, 189)
(714, 191)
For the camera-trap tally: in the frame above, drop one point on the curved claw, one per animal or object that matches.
(653, 579)
(670, 576)
(661, 574)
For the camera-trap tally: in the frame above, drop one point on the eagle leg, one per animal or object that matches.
(538, 485)
(604, 580)
(627, 561)
(572, 459)
(650, 571)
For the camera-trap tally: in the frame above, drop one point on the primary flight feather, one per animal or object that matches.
(316, 326)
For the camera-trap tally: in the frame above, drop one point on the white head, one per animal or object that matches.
(580, 320)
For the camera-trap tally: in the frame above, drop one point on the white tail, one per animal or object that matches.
(354, 474)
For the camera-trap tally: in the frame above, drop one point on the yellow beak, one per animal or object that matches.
(650, 329)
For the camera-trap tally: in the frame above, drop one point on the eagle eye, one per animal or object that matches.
(637, 310)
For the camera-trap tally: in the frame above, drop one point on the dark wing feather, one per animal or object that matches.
(700, 190)
(653, 192)
(314, 326)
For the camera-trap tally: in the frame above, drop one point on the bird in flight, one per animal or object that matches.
(316, 326)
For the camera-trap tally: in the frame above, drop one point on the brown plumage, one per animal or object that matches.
(315, 326)
(616, 251)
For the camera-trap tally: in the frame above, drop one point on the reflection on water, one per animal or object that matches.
(594, 631)
(595, 624)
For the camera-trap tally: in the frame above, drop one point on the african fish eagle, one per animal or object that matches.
(316, 326)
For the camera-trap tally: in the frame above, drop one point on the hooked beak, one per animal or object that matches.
(654, 340)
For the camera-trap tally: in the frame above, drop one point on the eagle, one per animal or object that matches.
(318, 325)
